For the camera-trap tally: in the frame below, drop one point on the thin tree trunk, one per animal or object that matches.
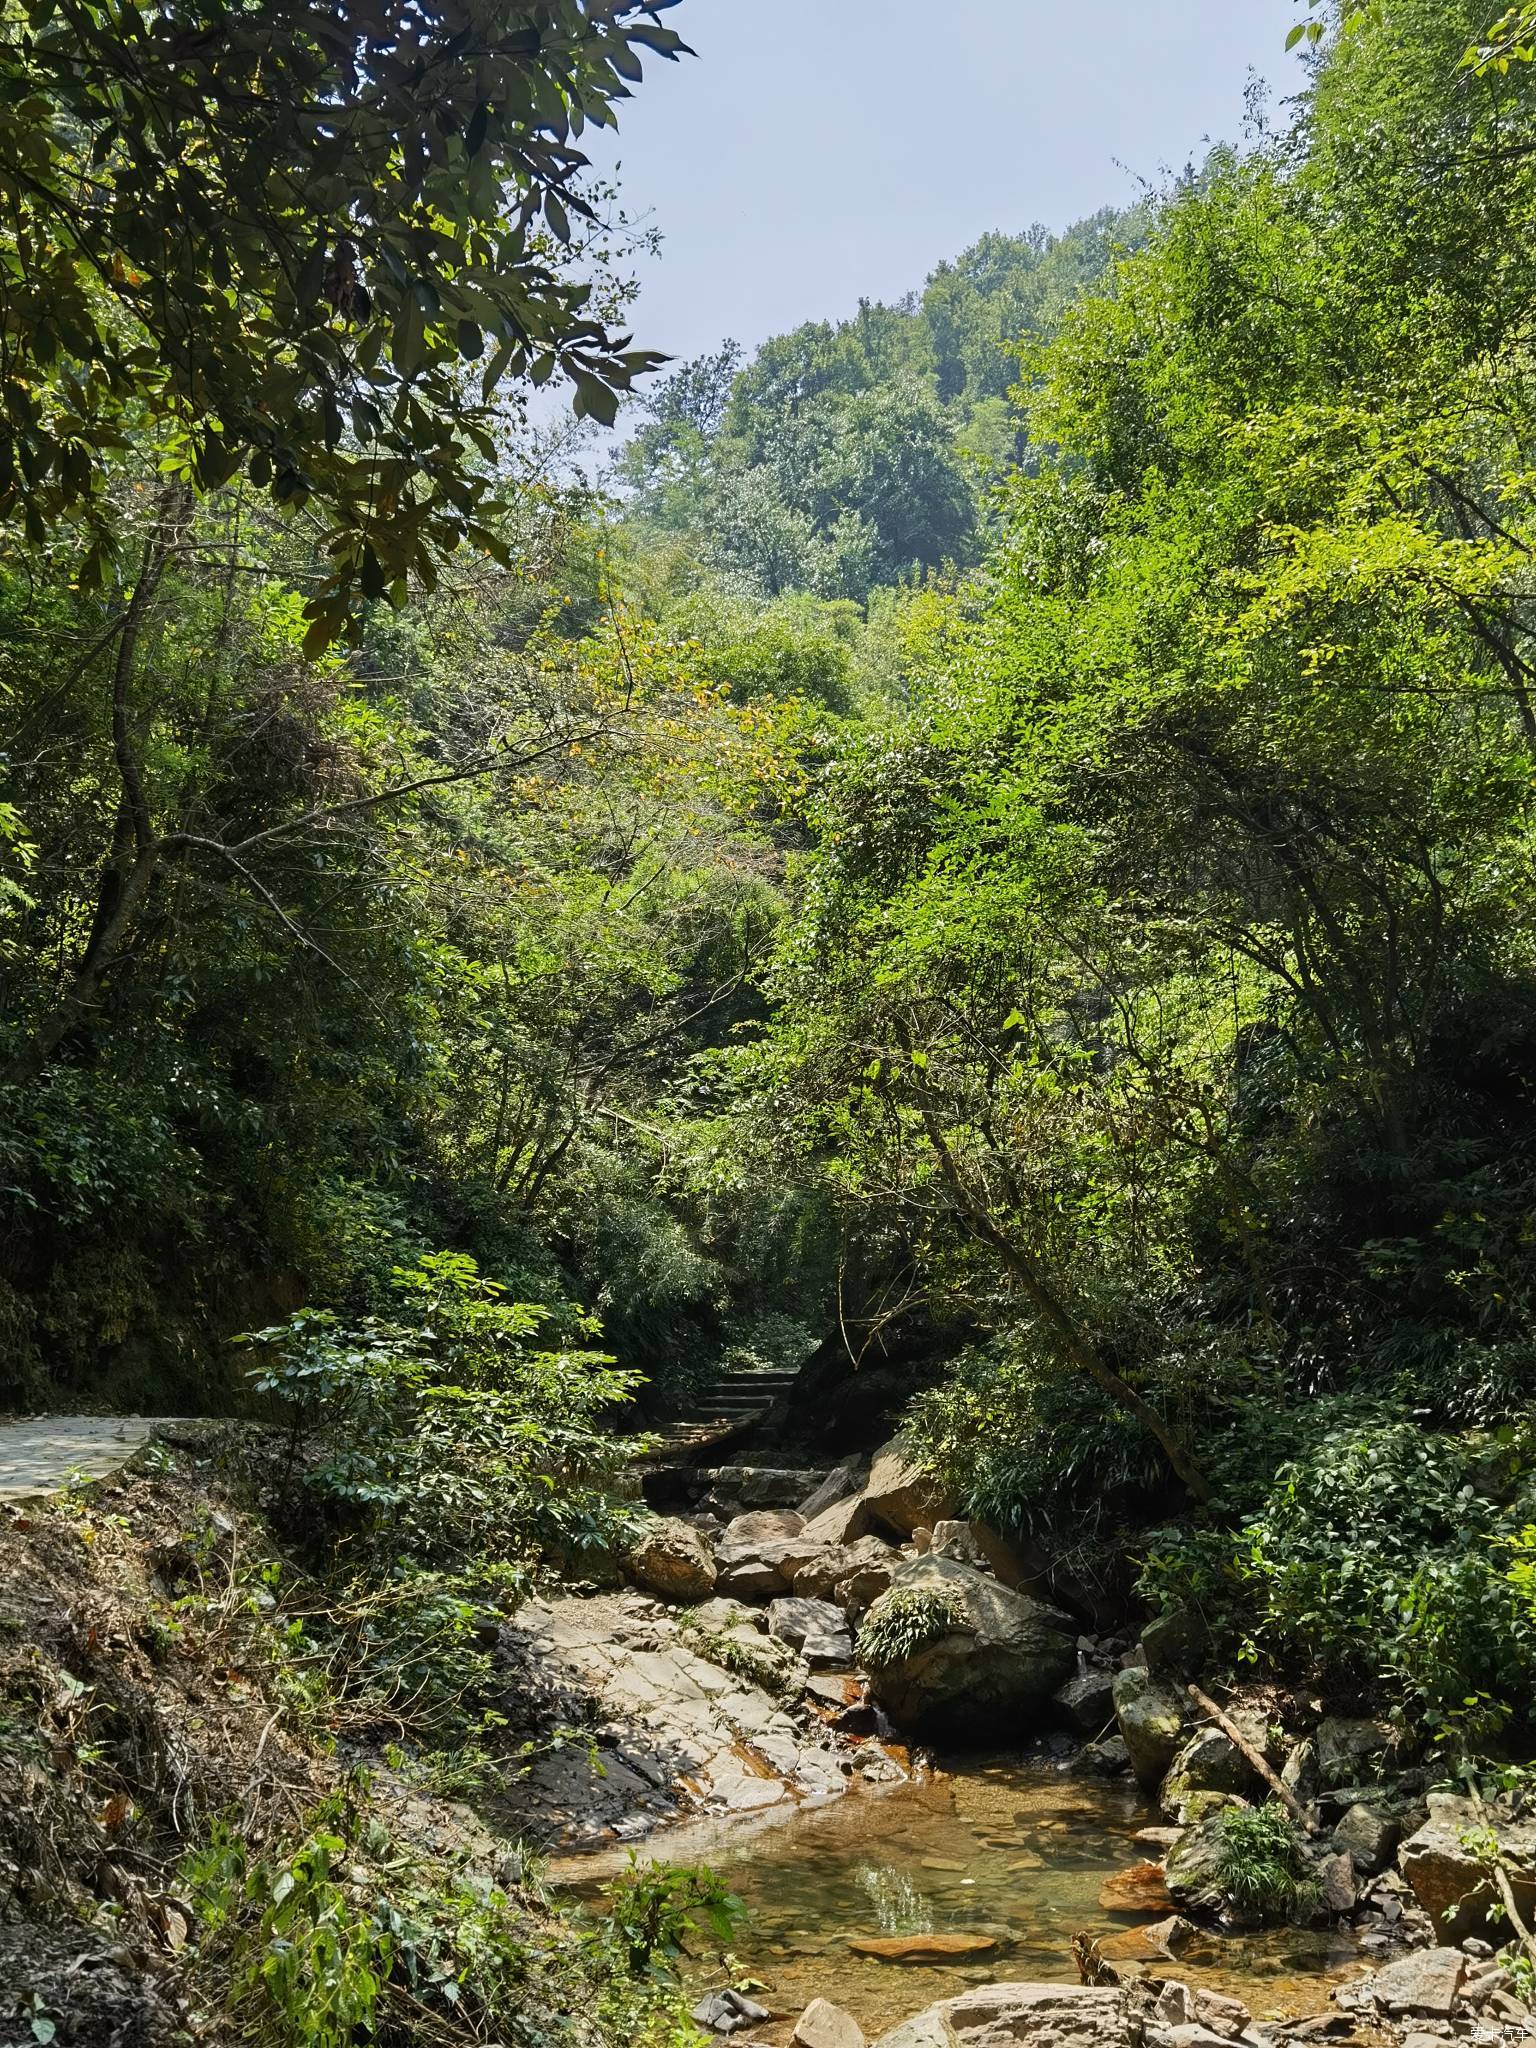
(102, 950)
(1071, 1342)
(133, 857)
(1235, 1735)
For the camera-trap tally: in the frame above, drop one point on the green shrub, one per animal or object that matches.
(450, 1458)
(349, 1933)
(448, 1433)
(1019, 1446)
(296, 1962)
(1373, 1563)
(1262, 1868)
(906, 1620)
(656, 1910)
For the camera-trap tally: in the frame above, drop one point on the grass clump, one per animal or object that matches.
(1261, 1865)
(906, 1620)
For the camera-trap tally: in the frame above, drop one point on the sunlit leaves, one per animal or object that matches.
(1351, 19)
(280, 237)
(1511, 39)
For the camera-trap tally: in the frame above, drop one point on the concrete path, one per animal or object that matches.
(43, 1454)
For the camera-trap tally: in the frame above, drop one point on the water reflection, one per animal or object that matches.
(1002, 1848)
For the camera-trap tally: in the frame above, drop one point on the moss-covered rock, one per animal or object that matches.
(990, 1672)
(1151, 1717)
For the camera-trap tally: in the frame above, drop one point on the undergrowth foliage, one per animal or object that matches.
(344, 1933)
(432, 1467)
(1379, 1560)
(906, 1620)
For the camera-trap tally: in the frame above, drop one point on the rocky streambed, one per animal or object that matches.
(980, 1868)
(1074, 1890)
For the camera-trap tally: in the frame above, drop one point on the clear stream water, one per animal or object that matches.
(1006, 1847)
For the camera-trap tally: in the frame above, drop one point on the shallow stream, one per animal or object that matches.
(1007, 1849)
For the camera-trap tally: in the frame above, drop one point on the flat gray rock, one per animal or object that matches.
(1426, 1982)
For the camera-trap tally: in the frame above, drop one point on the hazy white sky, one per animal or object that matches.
(820, 150)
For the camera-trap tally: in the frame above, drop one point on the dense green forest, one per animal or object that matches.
(1003, 823)
(976, 859)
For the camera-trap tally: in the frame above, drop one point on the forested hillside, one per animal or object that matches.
(846, 459)
(440, 938)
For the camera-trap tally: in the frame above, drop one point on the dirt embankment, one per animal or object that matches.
(128, 1725)
(185, 1738)
(205, 1827)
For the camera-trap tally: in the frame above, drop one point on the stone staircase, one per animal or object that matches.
(735, 1400)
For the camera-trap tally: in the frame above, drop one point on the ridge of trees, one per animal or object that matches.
(851, 456)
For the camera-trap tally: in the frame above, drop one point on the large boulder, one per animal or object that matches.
(814, 1627)
(956, 1539)
(900, 1496)
(871, 1568)
(1026, 2016)
(762, 1525)
(866, 1567)
(1156, 1942)
(1452, 1886)
(1191, 1869)
(1369, 1837)
(1151, 1717)
(1001, 1659)
(753, 1578)
(763, 1572)
(1208, 1762)
(842, 1523)
(1302, 1776)
(759, 1554)
(1107, 1759)
(1195, 2016)
(723, 1614)
(669, 1558)
(1007, 1562)
(1174, 1642)
(840, 1484)
(736, 1487)
(926, 2030)
(1088, 1699)
(1350, 1750)
(1336, 1874)
(1426, 1983)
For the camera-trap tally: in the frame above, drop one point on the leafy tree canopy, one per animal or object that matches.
(310, 243)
